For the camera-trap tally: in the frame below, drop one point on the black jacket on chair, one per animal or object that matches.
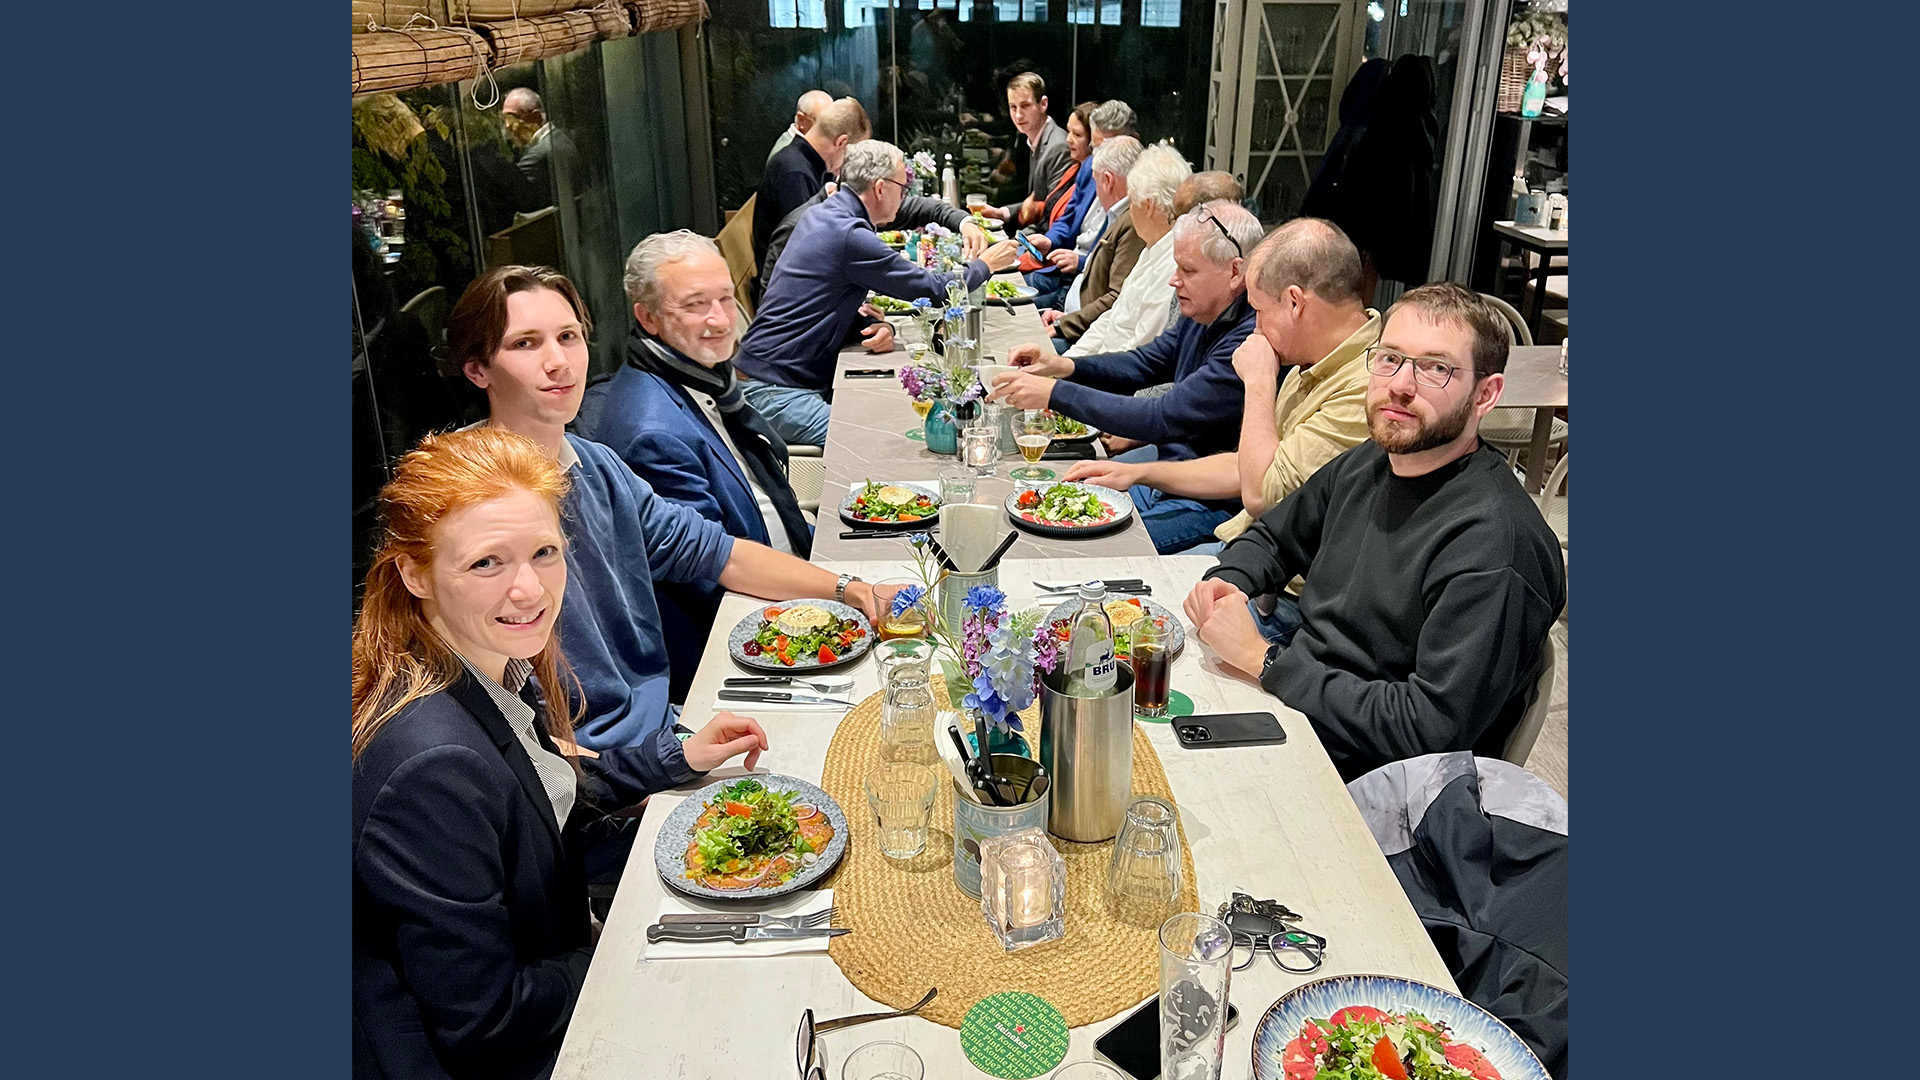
(470, 930)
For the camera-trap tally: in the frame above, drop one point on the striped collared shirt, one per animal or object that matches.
(556, 775)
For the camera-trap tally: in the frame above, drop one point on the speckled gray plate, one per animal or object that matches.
(670, 848)
(1066, 610)
(846, 507)
(1122, 506)
(746, 628)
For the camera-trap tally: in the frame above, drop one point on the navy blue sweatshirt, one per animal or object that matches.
(832, 260)
(1198, 417)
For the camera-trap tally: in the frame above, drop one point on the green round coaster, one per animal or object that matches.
(1014, 1036)
(1178, 704)
(917, 434)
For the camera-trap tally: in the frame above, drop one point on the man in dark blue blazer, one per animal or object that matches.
(674, 413)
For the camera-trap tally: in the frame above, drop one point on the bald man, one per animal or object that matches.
(524, 118)
(805, 112)
(798, 172)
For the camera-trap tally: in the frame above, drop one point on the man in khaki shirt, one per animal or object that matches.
(1304, 285)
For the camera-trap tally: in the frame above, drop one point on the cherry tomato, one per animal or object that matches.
(909, 517)
(780, 643)
(1135, 601)
(772, 613)
(1387, 1061)
(752, 648)
(1027, 498)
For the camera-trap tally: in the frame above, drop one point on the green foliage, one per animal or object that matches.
(421, 180)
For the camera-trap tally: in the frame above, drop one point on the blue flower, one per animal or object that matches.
(918, 540)
(923, 303)
(982, 598)
(907, 598)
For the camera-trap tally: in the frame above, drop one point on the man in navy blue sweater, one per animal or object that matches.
(1200, 414)
(833, 259)
(520, 334)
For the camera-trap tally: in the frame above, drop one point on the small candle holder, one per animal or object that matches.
(1023, 889)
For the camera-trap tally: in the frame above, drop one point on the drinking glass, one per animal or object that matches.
(910, 623)
(906, 721)
(1023, 888)
(956, 486)
(1196, 957)
(976, 201)
(980, 448)
(1143, 876)
(1032, 431)
(1088, 1070)
(1152, 635)
(901, 794)
(883, 1061)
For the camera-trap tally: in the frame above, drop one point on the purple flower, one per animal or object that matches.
(1046, 649)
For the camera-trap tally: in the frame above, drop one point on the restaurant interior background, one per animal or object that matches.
(670, 129)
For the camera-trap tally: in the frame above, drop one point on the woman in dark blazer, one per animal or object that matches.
(472, 809)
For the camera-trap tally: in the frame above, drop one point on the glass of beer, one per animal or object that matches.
(1152, 635)
(1032, 431)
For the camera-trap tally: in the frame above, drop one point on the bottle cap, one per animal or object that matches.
(1093, 590)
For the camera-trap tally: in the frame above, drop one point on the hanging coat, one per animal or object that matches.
(1388, 205)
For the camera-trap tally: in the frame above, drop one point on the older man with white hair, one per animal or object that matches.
(1200, 414)
(832, 261)
(1144, 305)
(1119, 248)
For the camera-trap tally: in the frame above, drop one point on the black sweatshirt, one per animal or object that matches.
(1427, 603)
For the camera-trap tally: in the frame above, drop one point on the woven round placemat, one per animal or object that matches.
(913, 928)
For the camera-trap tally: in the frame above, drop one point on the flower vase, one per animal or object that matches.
(943, 433)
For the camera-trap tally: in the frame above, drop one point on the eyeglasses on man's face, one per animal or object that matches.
(1427, 370)
(901, 184)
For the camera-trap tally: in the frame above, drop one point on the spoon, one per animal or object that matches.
(821, 1027)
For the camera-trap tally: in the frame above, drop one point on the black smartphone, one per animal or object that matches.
(1133, 1044)
(1229, 729)
(870, 373)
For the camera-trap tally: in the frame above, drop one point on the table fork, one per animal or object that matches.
(819, 686)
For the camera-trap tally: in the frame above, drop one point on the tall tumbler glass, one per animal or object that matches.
(1143, 877)
(1196, 965)
(1152, 667)
(901, 794)
(906, 722)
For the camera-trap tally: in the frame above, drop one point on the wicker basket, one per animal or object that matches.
(520, 40)
(392, 14)
(651, 16)
(397, 60)
(1514, 73)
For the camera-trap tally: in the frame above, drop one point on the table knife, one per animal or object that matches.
(736, 933)
(778, 697)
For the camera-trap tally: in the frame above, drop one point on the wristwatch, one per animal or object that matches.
(840, 590)
(1273, 653)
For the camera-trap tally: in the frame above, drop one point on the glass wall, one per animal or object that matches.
(449, 180)
(932, 73)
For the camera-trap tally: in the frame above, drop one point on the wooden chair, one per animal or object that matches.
(736, 246)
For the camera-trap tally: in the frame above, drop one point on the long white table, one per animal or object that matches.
(1275, 822)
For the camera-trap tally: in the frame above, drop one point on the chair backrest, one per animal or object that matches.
(807, 474)
(1517, 332)
(1553, 506)
(1520, 743)
(736, 246)
(430, 306)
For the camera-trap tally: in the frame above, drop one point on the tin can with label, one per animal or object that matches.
(1530, 210)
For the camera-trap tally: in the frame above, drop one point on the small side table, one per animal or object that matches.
(1544, 242)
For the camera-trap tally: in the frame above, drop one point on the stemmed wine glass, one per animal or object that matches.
(1032, 431)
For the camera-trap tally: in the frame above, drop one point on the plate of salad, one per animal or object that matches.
(751, 837)
(1009, 293)
(1378, 1027)
(890, 505)
(1070, 509)
(1067, 429)
(800, 635)
(1122, 612)
(894, 238)
(887, 305)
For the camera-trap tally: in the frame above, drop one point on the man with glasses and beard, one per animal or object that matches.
(1431, 578)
